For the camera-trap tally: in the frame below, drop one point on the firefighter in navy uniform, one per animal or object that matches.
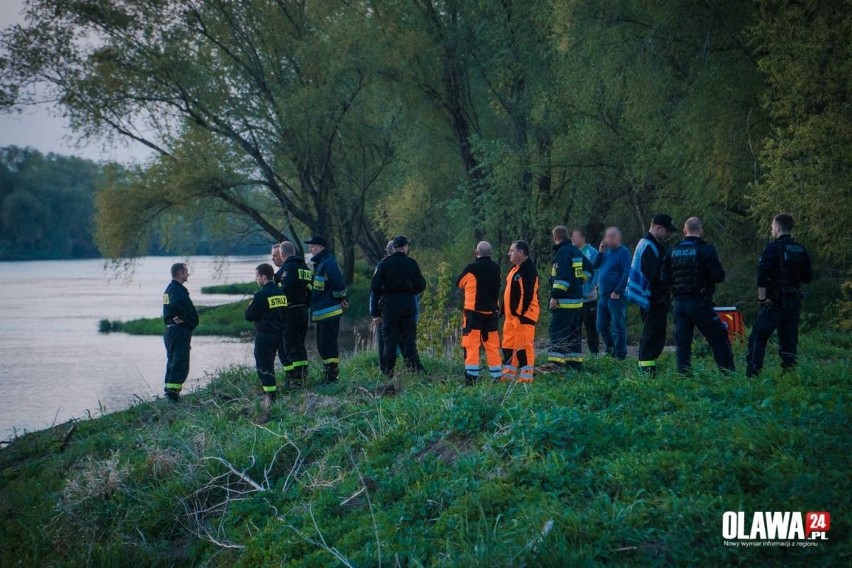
(396, 283)
(480, 282)
(328, 300)
(692, 268)
(784, 266)
(570, 271)
(267, 312)
(295, 283)
(181, 319)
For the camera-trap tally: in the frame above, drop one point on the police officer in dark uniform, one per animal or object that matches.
(784, 266)
(181, 319)
(267, 312)
(692, 268)
(395, 284)
(295, 284)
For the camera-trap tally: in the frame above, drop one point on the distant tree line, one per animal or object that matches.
(47, 212)
(452, 120)
(46, 205)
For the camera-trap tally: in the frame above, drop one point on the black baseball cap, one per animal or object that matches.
(665, 220)
(317, 240)
(399, 242)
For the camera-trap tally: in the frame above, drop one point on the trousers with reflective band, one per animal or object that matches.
(566, 339)
(265, 347)
(518, 349)
(474, 340)
(177, 339)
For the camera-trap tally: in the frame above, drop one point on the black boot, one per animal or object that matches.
(469, 380)
(332, 374)
(173, 396)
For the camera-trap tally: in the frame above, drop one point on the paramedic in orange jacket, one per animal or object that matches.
(480, 282)
(521, 309)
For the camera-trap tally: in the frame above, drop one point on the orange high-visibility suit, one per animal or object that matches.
(521, 308)
(480, 281)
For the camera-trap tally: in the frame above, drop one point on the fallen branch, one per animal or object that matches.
(66, 438)
(239, 474)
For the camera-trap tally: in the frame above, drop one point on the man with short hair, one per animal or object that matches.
(181, 318)
(692, 268)
(395, 284)
(267, 312)
(277, 261)
(328, 300)
(480, 283)
(645, 290)
(295, 284)
(784, 266)
(579, 238)
(613, 266)
(569, 273)
(521, 311)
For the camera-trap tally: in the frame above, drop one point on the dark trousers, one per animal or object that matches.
(590, 322)
(265, 347)
(399, 330)
(690, 313)
(783, 316)
(566, 337)
(177, 339)
(653, 338)
(327, 332)
(295, 355)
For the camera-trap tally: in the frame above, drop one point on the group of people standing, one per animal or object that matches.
(588, 288)
(591, 289)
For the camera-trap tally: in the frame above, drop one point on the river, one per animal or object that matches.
(54, 365)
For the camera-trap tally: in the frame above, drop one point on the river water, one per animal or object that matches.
(54, 365)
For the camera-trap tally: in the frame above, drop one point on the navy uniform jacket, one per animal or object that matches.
(295, 281)
(396, 282)
(267, 309)
(176, 303)
(784, 266)
(570, 271)
(328, 288)
(692, 268)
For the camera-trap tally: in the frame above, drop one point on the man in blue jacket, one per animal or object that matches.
(579, 238)
(328, 300)
(181, 319)
(613, 264)
(692, 269)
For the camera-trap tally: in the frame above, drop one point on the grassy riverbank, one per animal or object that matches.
(607, 467)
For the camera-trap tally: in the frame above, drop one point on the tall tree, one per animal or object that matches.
(265, 94)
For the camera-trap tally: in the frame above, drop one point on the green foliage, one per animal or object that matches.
(236, 289)
(439, 325)
(805, 53)
(607, 467)
(46, 205)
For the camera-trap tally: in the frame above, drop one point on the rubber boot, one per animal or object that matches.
(173, 396)
(469, 380)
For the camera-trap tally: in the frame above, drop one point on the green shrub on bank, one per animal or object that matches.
(227, 320)
(235, 289)
(608, 467)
